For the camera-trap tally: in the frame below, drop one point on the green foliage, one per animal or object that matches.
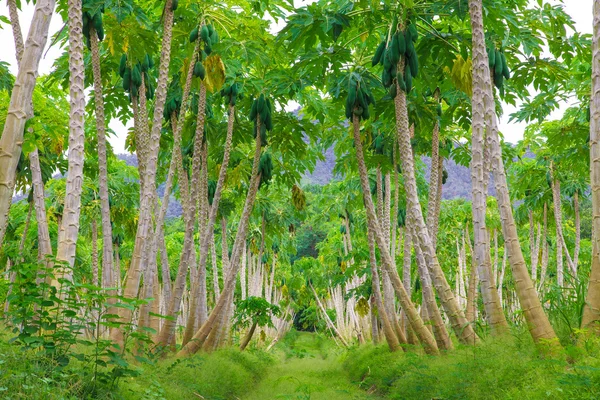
(255, 310)
(63, 333)
(498, 369)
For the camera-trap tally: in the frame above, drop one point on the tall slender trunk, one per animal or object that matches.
(463, 330)
(577, 230)
(107, 250)
(425, 337)
(433, 312)
(545, 250)
(146, 202)
(95, 263)
(537, 321)
(69, 229)
(19, 107)
(481, 256)
(388, 329)
(44, 244)
(591, 310)
(433, 174)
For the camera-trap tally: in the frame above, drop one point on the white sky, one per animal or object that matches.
(580, 11)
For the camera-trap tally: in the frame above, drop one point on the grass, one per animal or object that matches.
(497, 369)
(309, 366)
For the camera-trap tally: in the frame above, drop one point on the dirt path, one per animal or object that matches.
(307, 369)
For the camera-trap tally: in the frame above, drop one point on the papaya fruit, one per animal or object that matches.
(207, 49)
(498, 65)
(492, 56)
(505, 70)
(401, 41)
(194, 35)
(97, 22)
(100, 33)
(413, 61)
(123, 65)
(174, 5)
(386, 78)
(150, 61)
(136, 75)
(387, 62)
(377, 57)
(199, 71)
(361, 98)
(414, 34)
(127, 79)
(408, 80)
(253, 110)
(393, 91)
(260, 105)
(351, 96)
(145, 65)
(393, 50)
(204, 34)
(401, 82)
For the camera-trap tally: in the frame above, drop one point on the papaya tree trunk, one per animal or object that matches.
(388, 329)
(44, 244)
(69, 229)
(481, 256)
(591, 310)
(107, 250)
(248, 337)
(20, 103)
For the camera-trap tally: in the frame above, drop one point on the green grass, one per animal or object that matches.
(497, 369)
(307, 366)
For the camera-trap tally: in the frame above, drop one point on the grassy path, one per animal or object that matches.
(308, 368)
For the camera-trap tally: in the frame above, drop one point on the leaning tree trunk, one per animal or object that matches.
(537, 321)
(19, 107)
(107, 248)
(69, 229)
(463, 330)
(388, 329)
(425, 337)
(481, 256)
(591, 311)
(240, 238)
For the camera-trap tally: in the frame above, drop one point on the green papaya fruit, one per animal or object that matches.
(377, 57)
(194, 35)
(413, 61)
(414, 34)
(408, 80)
(123, 65)
(199, 71)
(150, 62)
(97, 21)
(393, 91)
(136, 75)
(393, 50)
(127, 79)
(204, 34)
(207, 49)
(387, 62)
(401, 42)
(351, 96)
(401, 82)
(174, 5)
(361, 98)
(260, 105)
(386, 78)
(145, 65)
(498, 65)
(492, 56)
(505, 70)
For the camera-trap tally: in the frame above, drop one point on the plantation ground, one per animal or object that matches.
(310, 366)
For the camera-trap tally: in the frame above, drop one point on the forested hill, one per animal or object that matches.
(458, 184)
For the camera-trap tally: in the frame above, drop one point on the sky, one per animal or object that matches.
(580, 11)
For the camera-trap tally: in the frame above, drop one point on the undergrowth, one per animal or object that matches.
(508, 368)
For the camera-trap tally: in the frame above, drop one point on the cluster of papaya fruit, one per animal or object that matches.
(498, 67)
(390, 52)
(231, 93)
(208, 34)
(92, 21)
(174, 98)
(359, 97)
(262, 107)
(132, 77)
(265, 168)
